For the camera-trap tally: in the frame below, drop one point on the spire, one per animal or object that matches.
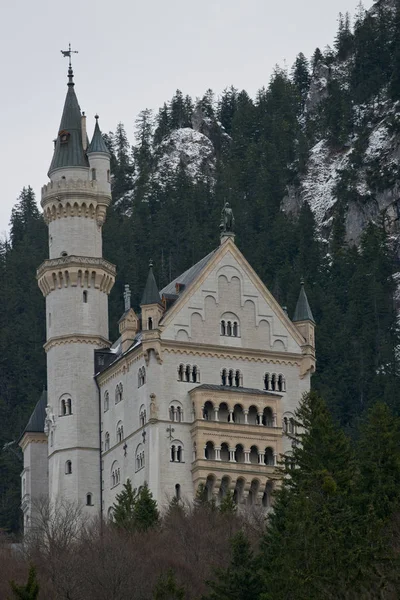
(97, 144)
(303, 310)
(151, 294)
(68, 151)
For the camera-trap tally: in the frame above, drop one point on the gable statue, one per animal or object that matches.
(227, 219)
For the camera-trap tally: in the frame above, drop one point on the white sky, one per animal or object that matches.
(134, 55)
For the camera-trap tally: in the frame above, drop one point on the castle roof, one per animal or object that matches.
(303, 310)
(151, 295)
(38, 416)
(97, 144)
(186, 278)
(68, 151)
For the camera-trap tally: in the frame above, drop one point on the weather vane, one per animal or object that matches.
(68, 53)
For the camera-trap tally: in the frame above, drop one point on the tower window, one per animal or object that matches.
(177, 491)
(108, 175)
(150, 323)
(85, 297)
(64, 253)
(68, 467)
(89, 500)
(93, 174)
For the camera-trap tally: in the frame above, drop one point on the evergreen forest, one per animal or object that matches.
(171, 174)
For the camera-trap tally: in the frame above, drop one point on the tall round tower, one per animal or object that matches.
(76, 281)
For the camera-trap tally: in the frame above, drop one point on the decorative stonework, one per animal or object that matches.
(74, 198)
(100, 342)
(239, 354)
(75, 271)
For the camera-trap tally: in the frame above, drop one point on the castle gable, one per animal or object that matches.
(226, 303)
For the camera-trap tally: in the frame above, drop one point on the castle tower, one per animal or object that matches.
(75, 281)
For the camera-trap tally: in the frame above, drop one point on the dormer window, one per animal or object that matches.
(64, 136)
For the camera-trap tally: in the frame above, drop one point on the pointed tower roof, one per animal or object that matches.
(38, 416)
(151, 294)
(97, 144)
(68, 151)
(303, 310)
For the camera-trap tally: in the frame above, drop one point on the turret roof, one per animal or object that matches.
(303, 310)
(68, 151)
(38, 416)
(97, 144)
(151, 295)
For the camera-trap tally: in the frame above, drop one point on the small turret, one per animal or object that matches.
(151, 304)
(128, 323)
(99, 160)
(305, 323)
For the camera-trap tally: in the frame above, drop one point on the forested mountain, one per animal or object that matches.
(310, 167)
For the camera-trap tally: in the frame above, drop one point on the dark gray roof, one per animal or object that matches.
(228, 388)
(188, 276)
(36, 421)
(151, 295)
(70, 153)
(303, 310)
(97, 144)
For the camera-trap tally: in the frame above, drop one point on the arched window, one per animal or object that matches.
(106, 441)
(85, 297)
(68, 467)
(141, 376)
(194, 374)
(292, 425)
(176, 411)
(187, 373)
(176, 451)
(118, 393)
(281, 383)
(266, 381)
(223, 377)
(93, 174)
(229, 328)
(209, 451)
(139, 457)
(89, 500)
(150, 323)
(269, 457)
(63, 407)
(177, 491)
(235, 329)
(115, 474)
(142, 416)
(108, 175)
(181, 370)
(106, 401)
(230, 378)
(285, 424)
(223, 328)
(238, 379)
(273, 382)
(120, 432)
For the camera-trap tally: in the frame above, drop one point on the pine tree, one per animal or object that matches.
(344, 37)
(30, 591)
(124, 507)
(240, 581)
(305, 553)
(145, 511)
(301, 77)
(167, 588)
(228, 505)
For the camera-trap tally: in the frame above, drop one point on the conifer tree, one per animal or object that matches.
(228, 505)
(146, 514)
(167, 588)
(30, 591)
(305, 553)
(124, 507)
(240, 581)
(301, 77)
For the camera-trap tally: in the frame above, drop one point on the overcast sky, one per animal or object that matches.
(134, 55)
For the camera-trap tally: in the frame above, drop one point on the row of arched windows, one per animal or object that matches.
(120, 429)
(141, 376)
(229, 328)
(274, 382)
(231, 378)
(239, 454)
(254, 490)
(251, 416)
(189, 373)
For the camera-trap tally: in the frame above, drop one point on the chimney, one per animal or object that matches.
(83, 129)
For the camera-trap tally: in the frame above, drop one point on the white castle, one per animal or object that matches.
(201, 386)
